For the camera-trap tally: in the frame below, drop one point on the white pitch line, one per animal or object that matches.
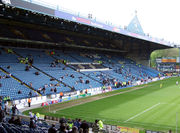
(171, 104)
(142, 112)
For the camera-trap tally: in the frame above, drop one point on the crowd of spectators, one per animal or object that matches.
(76, 126)
(65, 125)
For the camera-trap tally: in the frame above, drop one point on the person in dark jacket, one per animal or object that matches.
(14, 109)
(52, 129)
(2, 114)
(18, 121)
(32, 123)
(84, 126)
(62, 120)
(77, 123)
(12, 120)
(62, 128)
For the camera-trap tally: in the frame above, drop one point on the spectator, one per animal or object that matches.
(55, 90)
(35, 117)
(52, 90)
(80, 130)
(51, 85)
(2, 100)
(95, 127)
(73, 88)
(8, 98)
(52, 129)
(84, 126)
(46, 86)
(36, 73)
(14, 110)
(6, 107)
(86, 131)
(29, 102)
(31, 61)
(32, 123)
(19, 92)
(8, 67)
(100, 123)
(56, 62)
(69, 124)
(30, 94)
(52, 79)
(30, 114)
(18, 121)
(74, 130)
(8, 76)
(38, 115)
(86, 91)
(27, 68)
(177, 82)
(87, 82)
(62, 128)
(72, 76)
(30, 84)
(77, 123)
(61, 95)
(53, 64)
(62, 120)
(12, 120)
(39, 90)
(2, 114)
(43, 90)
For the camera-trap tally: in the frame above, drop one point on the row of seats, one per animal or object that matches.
(51, 73)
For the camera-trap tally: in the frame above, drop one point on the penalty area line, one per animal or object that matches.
(143, 112)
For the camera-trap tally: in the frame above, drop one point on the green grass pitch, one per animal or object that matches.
(150, 107)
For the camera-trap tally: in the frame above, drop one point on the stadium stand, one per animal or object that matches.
(46, 67)
(43, 56)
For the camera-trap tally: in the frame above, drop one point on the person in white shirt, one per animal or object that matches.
(30, 114)
(177, 82)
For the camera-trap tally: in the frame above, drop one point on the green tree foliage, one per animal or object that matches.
(172, 52)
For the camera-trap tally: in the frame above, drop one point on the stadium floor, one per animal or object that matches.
(152, 107)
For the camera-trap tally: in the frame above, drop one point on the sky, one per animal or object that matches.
(158, 18)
